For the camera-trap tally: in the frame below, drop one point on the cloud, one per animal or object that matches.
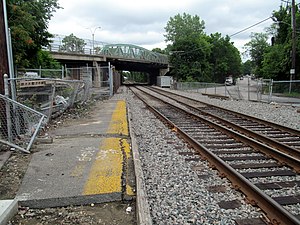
(142, 22)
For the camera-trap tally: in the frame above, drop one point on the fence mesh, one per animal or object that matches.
(48, 96)
(19, 124)
(264, 90)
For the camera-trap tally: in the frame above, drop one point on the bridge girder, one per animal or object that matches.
(137, 53)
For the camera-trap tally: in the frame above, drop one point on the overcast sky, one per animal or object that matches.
(142, 22)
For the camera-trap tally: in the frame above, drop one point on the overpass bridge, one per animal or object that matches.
(123, 57)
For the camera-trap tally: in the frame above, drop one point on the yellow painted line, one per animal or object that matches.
(127, 151)
(118, 124)
(106, 172)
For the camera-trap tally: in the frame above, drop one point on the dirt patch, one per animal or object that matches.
(12, 174)
(104, 214)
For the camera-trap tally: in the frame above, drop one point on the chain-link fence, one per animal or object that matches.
(264, 90)
(203, 88)
(279, 91)
(19, 124)
(48, 96)
(37, 73)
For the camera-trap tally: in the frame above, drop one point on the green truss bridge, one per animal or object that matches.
(121, 56)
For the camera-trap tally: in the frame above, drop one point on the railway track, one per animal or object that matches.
(268, 177)
(277, 136)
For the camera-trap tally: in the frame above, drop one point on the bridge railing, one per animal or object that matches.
(84, 51)
(126, 51)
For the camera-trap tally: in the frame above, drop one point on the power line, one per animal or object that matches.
(250, 26)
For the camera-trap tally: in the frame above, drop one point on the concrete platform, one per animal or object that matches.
(7, 209)
(86, 163)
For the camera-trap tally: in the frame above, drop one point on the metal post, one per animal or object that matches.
(11, 70)
(62, 72)
(52, 99)
(248, 89)
(257, 90)
(4, 64)
(7, 106)
(111, 82)
(40, 71)
(293, 39)
(270, 91)
(93, 35)
(66, 70)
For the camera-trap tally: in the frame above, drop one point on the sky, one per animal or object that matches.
(143, 22)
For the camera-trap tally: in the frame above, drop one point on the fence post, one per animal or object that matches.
(74, 94)
(51, 102)
(62, 72)
(248, 89)
(7, 106)
(270, 91)
(111, 81)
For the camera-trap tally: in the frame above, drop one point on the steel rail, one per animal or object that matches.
(274, 143)
(287, 129)
(274, 211)
(282, 157)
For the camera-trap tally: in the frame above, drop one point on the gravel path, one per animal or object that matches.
(190, 192)
(281, 114)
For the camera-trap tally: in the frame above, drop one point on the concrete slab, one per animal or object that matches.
(83, 165)
(95, 124)
(8, 208)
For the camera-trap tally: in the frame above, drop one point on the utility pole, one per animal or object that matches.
(293, 70)
(4, 67)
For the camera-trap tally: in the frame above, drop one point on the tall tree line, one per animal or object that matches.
(196, 56)
(271, 52)
(28, 21)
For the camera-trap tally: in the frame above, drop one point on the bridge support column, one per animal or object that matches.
(163, 72)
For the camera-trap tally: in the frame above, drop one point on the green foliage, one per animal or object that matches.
(195, 56)
(189, 49)
(159, 50)
(256, 49)
(225, 58)
(28, 21)
(72, 43)
(138, 77)
(275, 61)
(247, 67)
(192, 62)
(182, 26)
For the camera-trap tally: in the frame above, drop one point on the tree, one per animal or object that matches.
(225, 58)
(182, 26)
(189, 48)
(247, 67)
(159, 50)
(278, 58)
(256, 49)
(28, 21)
(275, 63)
(72, 43)
(191, 64)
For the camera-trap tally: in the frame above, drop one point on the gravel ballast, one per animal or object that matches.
(182, 191)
